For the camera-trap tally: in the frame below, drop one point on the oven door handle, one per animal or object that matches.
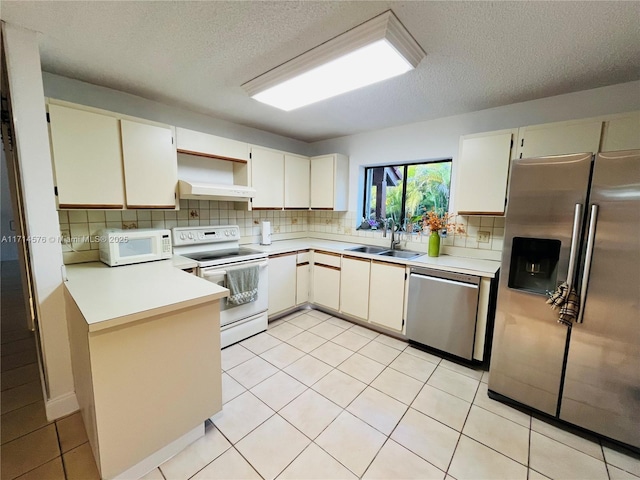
(222, 273)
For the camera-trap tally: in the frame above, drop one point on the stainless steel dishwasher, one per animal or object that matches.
(442, 309)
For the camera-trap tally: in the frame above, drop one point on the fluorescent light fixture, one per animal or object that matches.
(378, 49)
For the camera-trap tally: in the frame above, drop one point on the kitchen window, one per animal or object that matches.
(404, 192)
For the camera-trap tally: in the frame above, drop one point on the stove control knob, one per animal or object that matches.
(201, 235)
(226, 233)
(182, 236)
(190, 236)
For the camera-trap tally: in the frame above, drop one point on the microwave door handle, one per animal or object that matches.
(591, 236)
(573, 253)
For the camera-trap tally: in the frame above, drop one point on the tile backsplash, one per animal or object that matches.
(77, 226)
(333, 224)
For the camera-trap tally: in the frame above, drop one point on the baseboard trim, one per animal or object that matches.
(158, 458)
(61, 406)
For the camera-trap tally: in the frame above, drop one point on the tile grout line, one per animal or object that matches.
(64, 466)
(529, 449)
(460, 433)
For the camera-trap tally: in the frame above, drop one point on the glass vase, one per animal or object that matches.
(434, 244)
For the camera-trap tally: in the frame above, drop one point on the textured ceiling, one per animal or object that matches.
(197, 54)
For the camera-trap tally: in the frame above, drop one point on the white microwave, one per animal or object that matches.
(124, 247)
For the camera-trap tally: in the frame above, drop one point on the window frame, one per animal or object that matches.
(406, 165)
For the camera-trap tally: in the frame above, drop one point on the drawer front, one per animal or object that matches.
(326, 258)
(304, 257)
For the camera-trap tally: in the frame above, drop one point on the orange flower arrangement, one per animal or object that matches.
(434, 222)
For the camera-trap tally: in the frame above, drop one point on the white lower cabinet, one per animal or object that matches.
(354, 287)
(326, 280)
(303, 270)
(386, 295)
(282, 283)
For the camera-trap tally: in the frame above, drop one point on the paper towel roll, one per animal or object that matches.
(266, 233)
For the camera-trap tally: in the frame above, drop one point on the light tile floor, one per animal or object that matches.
(317, 397)
(32, 447)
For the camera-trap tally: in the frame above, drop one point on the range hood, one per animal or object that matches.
(215, 191)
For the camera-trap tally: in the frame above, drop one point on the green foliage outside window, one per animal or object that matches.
(407, 191)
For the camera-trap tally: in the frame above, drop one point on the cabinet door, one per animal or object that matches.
(483, 171)
(322, 182)
(302, 283)
(354, 287)
(296, 181)
(87, 158)
(267, 177)
(199, 143)
(326, 286)
(150, 165)
(559, 138)
(282, 283)
(622, 133)
(386, 295)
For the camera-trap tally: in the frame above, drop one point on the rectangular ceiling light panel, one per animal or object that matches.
(369, 53)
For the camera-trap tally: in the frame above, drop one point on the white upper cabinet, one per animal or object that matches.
(483, 172)
(150, 165)
(330, 182)
(559, 138)
(87, 158)
(267, 177)
(296, 181)
(204, 144)
(621, 133)
(98, 156)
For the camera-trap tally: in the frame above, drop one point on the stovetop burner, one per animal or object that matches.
(221, 254)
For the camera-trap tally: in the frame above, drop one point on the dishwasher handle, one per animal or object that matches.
(474, 285)
(450, 276)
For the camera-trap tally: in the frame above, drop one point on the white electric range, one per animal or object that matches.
(217, 250)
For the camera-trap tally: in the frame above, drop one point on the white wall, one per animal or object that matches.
(63, 88)
(8, 250)
(439, 138)
(32, 147)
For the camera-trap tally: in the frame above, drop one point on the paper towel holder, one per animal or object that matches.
(265, 237)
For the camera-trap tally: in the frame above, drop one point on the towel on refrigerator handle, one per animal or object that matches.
(243, 285)
(568, 301)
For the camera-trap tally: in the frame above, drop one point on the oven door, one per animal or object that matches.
(230, 313)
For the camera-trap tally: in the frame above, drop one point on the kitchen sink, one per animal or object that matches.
(385, 252)
(400, 254)
(368, 249)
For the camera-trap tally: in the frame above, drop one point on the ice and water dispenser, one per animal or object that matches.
(534, 264)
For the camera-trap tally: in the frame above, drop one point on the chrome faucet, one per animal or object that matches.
(394, 243)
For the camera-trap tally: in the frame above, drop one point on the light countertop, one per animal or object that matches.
(449, 263)
(112, 296)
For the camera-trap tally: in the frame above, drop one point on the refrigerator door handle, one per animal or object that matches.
(573, 253)
(587, 261)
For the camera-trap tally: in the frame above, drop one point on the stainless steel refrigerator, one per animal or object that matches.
(573, 218)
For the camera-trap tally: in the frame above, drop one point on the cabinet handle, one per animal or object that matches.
(388, 263)
(277, 255)
(328, 253)
(327, 266)
(356, 258)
